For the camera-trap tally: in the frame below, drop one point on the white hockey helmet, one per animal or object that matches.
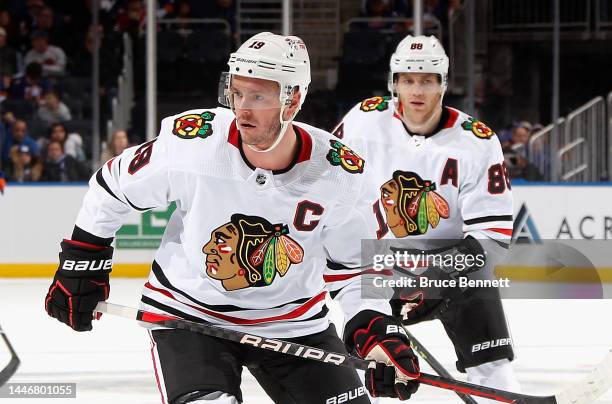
(268, 56)
(419, 54)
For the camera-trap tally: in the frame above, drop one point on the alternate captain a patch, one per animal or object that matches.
(478, 128)
(191, 126)
(412, 204)
(343, 156)
(377, 103)
(249, 251)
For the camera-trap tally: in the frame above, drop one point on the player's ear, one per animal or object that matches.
(295, 103)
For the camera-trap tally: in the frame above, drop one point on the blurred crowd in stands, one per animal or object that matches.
(46, 49)
(46, 52)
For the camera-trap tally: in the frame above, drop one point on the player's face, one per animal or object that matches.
(257, 108)
(389, 198)
(419, 94)
(221, 253)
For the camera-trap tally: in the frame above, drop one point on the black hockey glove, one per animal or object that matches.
(81, 281)
(383, 340)
(413, 305)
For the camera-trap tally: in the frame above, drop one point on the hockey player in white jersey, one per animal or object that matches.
(442, 185)
(267, 210)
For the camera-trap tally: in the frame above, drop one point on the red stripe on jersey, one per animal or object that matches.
(306, 145)
(153, 349)
(343, 277)
(507, 232)
(247, 321)
(155, 318)
(109, 163)
(234, 134)
(453, 114)
(400, 109)
(162, 291)
(83, 244)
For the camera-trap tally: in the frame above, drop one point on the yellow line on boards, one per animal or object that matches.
(556, 275)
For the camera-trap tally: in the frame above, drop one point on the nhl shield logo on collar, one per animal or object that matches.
(190, 126)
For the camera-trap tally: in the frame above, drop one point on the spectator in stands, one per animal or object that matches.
(52, 110)
(16, 40)
(378, 9)
(183, 11)
(45, 21)
(519, 167)
(8, 60)
(82, 61)
(72, 142)
(18, 136)
(30, 86)
(51, 57)
(118, 143)
(521, 131)
(26, 166)
(60, 167)
(132, 19)
(226, 9)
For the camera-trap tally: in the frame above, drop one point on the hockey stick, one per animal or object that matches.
(435, 365)
(11, 367)
(586, 391)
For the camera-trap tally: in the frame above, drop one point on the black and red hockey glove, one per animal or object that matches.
(383, 340)
(416, 304)
(81, 281)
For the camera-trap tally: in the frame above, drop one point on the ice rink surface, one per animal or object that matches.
(556, 342)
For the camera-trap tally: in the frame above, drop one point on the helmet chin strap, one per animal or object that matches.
(279, 136)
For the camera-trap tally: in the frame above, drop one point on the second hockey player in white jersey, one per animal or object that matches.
(442, 182)
(267, 210)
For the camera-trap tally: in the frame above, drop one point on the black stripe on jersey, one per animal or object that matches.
(134, 206)
(321, 314)
(79, 234)
(334, 293)
(170, 310)
(484, 219)
(179, 313)
(103, 184)
(502, 244)
(334, 266)
(220, 308)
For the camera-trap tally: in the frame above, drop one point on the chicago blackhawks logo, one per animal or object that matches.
(478, 128)
(377, 103)
(343, 156)
(191, 126)
(249, 251)
(412, 204)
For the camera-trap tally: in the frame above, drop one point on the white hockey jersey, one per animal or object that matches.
(246, 248)
(444, 186)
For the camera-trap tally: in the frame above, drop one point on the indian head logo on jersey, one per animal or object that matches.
(377, 103)
(191, 126)
(249, 251)
(343, 156)
(412, 204)
(478, 128)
